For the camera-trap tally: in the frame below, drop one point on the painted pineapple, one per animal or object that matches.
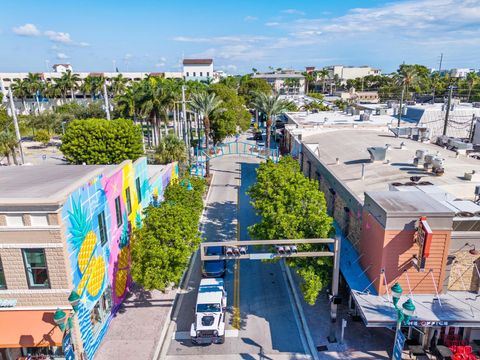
(122, 265)
(84, 240)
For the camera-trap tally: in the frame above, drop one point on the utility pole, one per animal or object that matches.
(105, 96)
(440, 65)
(332, 337)
(186, 135)
(472, 128)
(447, 113)
(15, 123)
(400, 108)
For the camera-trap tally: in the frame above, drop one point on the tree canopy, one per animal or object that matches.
(292, 207)
(162, 247)
(100, 141)
(171, 149)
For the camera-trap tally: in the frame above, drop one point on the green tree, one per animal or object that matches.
(68, 83)
(8, 146)
(206, 105)
(270, 106)
(249, 87)
(21, 90)
(162, 247)
(170, 149)
(292, 207)
(42, 136)
(471, 80)
(118, 85)
(235, 114)
(100, 141)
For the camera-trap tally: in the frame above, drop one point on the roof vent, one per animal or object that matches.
(465, 214)
(377, 153)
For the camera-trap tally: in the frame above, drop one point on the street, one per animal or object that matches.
(267, 326)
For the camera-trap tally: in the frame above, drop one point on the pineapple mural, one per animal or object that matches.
(121, 276)
(90, 266)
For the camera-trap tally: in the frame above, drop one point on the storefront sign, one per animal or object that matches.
(424, 240)
(422, 323)
(8, 302)
(67, 346)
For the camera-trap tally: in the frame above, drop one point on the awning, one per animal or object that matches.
(455, 308)
(28, 328)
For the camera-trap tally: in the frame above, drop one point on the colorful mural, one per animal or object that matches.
(100, 217)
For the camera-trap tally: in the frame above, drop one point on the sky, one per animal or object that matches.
(148, 35)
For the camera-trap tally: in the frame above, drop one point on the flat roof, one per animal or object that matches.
(43, 183)
(304, 118)
(455, 308)
(197, 61)
(408, 202)
(350, 145)
(278, 76)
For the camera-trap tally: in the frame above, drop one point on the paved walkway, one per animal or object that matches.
(135, 331)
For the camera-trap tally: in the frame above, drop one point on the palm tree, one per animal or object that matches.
(407, 76)
(20, 90)
(127, 104)
(206, 105)
(118, 85)
(97, 85)
(35, 87)
(323, 74)
(171, 149)
(87, 86)
(309, 78)
(270, 106)
(69, 82)
(8, 144)
(52, 90)
(472, 80)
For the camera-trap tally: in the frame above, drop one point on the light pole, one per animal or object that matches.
(403, 314)
(64, 323)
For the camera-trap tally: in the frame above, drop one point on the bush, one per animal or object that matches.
(170, 149)
(100, 141)
(42, 136)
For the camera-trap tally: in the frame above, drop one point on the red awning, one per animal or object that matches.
(28, 328)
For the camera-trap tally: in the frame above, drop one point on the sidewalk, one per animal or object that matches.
(135, 331)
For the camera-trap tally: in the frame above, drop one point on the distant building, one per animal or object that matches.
(285, 82)
(345, 73)
(198, 69)
(62, 68)
(359, 96)
(460, 73)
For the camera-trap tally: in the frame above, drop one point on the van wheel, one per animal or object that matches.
(221, 340)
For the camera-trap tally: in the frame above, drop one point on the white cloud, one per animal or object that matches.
(62, 56)
(250, 18)
(27, 30)
(272, 23)
(293, 12)
(161, 64)
(163, 59)
(58, 36)
(83, 44)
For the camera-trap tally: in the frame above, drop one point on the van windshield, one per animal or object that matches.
(208, 308)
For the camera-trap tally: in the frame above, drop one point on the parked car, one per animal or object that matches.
(258, 136)
(214, 268)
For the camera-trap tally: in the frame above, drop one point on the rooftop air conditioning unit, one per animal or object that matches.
(381, 111)
(476, 104)
(365, 117)
(377, 153)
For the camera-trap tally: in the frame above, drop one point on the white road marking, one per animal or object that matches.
(185, 335)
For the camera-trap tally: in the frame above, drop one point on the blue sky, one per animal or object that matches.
(154, 35)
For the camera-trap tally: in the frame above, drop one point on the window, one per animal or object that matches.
(39, 220)
(139, 190)
(129, 200)
(14, 220)
(194, 73)
(3, 284)
(201, 73)
(101, 311)
(102, 227)
(118, 211)
(188, 74)
(208, 73)
(36, 268)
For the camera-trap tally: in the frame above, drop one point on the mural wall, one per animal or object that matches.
(99, 218)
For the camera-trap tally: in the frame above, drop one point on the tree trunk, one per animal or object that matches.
(206, 125)
(71, 94)
(469, 93)
(269, 126)
(14, 156)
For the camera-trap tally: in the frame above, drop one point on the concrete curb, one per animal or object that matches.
(303, 320)
(167, 329)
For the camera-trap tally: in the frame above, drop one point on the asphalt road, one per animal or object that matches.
(268, 326)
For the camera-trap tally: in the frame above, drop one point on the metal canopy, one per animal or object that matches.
(455, 308)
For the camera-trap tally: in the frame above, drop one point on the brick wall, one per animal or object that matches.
(463, 275)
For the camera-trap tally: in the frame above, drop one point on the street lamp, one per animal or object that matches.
(60, 316)
(403, 314)
(74, 300)
(189, 185)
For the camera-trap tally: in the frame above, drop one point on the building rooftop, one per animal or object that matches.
(339, 118)
(197, 61)
(350, 145)
(44, 184)
(288, 75)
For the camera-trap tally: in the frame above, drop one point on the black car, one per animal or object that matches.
(214, 268)
(258, 136)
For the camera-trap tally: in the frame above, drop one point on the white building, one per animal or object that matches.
(285, 82)
(345, 73)
(62, 68)
(198, 69)
(460, 73)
